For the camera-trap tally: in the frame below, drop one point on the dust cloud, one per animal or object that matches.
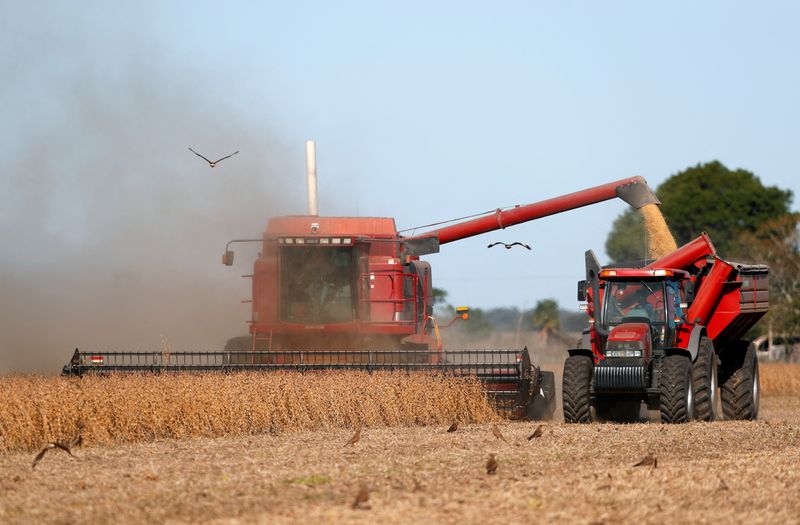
(112, 230)
(659, 239)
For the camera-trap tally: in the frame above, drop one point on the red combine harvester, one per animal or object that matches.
(352, 293)
(668, 334)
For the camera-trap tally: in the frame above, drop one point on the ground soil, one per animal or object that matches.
(705, 473)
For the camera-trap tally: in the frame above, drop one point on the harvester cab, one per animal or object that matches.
(668, 334)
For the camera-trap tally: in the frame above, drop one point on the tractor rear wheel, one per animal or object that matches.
(741, 388)
(677, 393)
(575, 388)
(704, 378)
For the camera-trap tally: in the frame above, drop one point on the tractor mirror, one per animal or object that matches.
(582, 290)
(227, 258)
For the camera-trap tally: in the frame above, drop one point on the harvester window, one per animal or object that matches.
(317, 284)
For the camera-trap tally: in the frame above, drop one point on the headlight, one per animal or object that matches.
(623, 353)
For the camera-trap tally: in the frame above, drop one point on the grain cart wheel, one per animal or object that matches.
(575, 388)
(741, 388)
(704, 378)
(677, 394)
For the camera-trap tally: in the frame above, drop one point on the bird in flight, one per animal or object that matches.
(50, 446)
(509, 246)
(213, 163)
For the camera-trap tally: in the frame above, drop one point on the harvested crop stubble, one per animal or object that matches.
(780, 379)
(131, 408)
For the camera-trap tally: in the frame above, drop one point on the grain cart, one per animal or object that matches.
(668, 333)
(353, 293)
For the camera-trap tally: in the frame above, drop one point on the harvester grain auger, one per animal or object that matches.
(352, 293)
(669, 334)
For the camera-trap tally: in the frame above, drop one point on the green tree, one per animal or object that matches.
(708, 197)
(777, 244)
(546, 316)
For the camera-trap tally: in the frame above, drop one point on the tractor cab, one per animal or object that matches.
(640, 310)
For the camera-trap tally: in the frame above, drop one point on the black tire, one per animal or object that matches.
(704, 379)
(677, 393)
(543, 403)
(741, 388)
(575, 388)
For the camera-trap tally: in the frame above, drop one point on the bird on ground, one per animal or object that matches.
(536, 433)
(213, 163)
(648, 461)
(491, 464)
(50, 446)
(509, 246)
(362, 496)
(453, 427)
(496, 433)
(357, 436)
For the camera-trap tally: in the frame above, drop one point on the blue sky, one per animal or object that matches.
(422, 111)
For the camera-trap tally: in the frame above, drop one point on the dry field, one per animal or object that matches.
(718, 472)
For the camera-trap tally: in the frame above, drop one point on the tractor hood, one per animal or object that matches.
(629, 340)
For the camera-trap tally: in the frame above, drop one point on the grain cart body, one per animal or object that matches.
(670, 334)
(353, 293)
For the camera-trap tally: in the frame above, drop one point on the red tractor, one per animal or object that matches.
(668, 334)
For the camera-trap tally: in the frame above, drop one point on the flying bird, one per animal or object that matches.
(353, 440)
(536, 433)
(648, 461)
(362, 496)
(47, 447)
(509, 246)
(491, 465)
(496, 433)
(453, 427)
(213, 163)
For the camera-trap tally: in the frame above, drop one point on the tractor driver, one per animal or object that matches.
(641, 306)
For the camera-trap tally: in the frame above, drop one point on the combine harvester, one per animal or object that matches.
(668, 334)
(350, 293)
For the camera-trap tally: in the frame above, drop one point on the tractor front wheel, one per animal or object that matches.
(677, 392)
(575, 388)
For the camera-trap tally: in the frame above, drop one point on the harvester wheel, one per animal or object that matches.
(575, 388)
(704, 377)
(741, 388)
(677, 394)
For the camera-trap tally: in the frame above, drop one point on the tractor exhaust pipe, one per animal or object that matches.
(311, 176)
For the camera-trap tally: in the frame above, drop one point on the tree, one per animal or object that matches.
(708, 197)
(546, 316)
(777, 244)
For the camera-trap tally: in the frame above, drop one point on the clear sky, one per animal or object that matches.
(422, 111)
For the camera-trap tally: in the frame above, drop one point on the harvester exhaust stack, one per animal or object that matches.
(311, 176)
